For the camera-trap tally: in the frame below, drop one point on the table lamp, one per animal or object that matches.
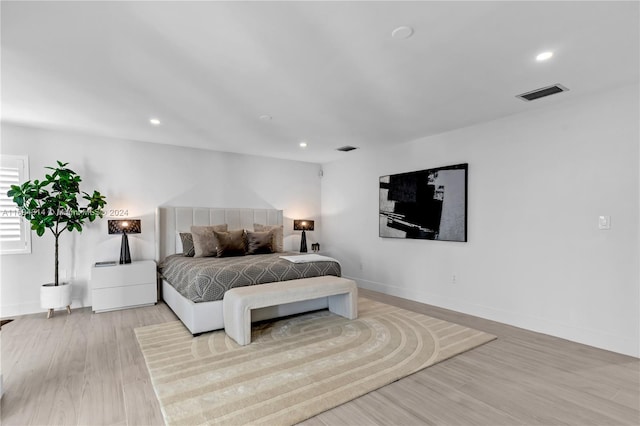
(124, 227)
(303, 225)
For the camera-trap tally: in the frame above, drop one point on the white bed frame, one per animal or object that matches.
(207, 316)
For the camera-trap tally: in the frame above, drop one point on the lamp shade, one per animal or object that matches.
(303, 225)
(129, 226)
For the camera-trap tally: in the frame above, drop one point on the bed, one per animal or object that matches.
(201, 315)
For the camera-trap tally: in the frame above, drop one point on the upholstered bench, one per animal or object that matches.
(238, 302)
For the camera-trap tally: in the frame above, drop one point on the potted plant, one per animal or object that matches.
(53, 204)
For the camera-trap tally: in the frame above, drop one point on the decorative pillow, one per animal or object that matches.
(232, 243)
(259, 242)
(204, 240)
(187, 244)
(277, 231)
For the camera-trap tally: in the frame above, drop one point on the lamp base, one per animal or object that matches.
(125, 254)
(303, 243)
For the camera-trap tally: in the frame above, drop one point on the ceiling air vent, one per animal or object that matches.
(346, 148)
(541, 93)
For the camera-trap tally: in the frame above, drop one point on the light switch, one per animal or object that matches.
(604, 222)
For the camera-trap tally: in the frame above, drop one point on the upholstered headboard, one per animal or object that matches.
(170, 220)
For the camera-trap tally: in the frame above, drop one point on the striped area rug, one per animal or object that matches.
(295, 367)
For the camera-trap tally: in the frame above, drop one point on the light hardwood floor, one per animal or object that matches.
(87, 369)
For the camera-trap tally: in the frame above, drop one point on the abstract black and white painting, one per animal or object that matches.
(427, 204)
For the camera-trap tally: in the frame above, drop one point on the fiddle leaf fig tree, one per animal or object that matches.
(52, 203)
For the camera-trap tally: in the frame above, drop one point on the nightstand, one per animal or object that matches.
(124, 286)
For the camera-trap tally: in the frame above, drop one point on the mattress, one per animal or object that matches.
(206, 279)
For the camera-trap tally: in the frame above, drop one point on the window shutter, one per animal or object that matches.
(15, 235)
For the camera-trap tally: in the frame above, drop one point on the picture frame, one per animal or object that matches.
(428, 204)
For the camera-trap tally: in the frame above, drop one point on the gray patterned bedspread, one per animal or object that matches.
(206, 279)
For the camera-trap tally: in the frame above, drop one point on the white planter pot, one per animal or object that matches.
(52, 297)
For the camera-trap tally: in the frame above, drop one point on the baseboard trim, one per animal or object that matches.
(596, 338)
(32, 308)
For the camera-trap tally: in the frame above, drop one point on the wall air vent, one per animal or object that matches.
(541, 93)
(346, 148)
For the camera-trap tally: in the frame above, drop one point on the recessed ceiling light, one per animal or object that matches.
(265, 117)
(154, 121)
(544, 56)
(401, 33)
(303, 144)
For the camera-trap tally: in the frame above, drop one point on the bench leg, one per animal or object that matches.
(345, 305)
(237, 324)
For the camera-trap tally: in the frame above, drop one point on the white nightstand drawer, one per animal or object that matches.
(141, 272)
(123, 297)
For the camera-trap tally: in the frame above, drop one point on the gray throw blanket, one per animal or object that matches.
(206, 279)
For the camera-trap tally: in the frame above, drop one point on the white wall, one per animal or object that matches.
(535, 257)
(137, 177)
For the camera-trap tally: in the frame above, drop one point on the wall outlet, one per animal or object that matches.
(454, 278)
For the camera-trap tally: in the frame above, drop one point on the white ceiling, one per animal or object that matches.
(328, 73)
